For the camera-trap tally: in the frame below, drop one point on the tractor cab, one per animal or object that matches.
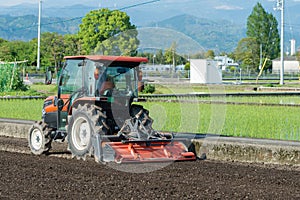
(109, 82)
(98, 76)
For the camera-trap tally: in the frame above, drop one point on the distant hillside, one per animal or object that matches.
(219, 35)
(25, 27)
(204, 21)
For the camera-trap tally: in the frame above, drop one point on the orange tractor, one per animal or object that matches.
(94, 111)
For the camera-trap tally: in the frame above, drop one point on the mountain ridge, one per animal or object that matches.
(199, 29)
(224, 36)
(218, 35)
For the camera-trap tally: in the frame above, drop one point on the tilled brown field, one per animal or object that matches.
(25, 176)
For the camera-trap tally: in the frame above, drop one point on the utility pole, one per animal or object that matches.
(260, 57)
(280, 6)
(39, 35)
(153, 60)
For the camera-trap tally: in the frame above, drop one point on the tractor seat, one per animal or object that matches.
(106, 87)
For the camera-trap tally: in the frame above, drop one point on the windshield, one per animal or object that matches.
(123, 78)
(71, 77)
(116, 79)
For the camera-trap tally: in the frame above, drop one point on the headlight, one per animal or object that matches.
(43, 113)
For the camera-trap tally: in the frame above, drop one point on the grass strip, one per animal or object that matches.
(272, 122)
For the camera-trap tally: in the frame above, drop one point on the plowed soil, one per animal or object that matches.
(25, 176)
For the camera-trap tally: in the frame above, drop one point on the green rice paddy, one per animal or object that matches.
(257, 121)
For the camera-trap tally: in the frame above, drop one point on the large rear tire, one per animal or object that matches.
(138, 112)
(82, 126)
(38, 138)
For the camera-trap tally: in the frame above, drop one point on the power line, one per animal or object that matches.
(139, 4)
(78, 18)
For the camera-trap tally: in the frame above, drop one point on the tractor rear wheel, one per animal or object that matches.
(82, 126)
(138, 112)
(38, 138)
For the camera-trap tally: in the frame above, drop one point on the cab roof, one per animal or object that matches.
(109, 58)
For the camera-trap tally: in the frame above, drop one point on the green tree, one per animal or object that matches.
(22, 50)
(263, 27)
(159, 57)
(5, 53)
(98, 26)
(172, 58)
(147, 55)
(72, 45)
(246, 53)
(298, 56)
(52, 49)
(15, 50)
(32, 52)
(187, 66)
(124, 43)
(199, 55)
(210, 54)
(170, 54)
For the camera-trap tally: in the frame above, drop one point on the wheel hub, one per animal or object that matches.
(81, 133)
(36, 139)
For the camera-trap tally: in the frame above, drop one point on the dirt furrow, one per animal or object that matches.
(25, 176)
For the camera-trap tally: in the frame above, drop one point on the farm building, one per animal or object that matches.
(159, 68)
(291, 65)
(225, 63)
(205, 71)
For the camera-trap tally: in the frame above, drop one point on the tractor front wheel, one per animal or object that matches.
(38, 139)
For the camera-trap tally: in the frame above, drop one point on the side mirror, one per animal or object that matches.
(60, 104)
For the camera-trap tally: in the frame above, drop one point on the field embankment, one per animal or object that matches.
(210, 146)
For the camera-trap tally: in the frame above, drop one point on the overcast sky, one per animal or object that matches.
(16, 2)
(221, 4)
(97, 2)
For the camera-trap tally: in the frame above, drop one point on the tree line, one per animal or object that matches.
(110, 32)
